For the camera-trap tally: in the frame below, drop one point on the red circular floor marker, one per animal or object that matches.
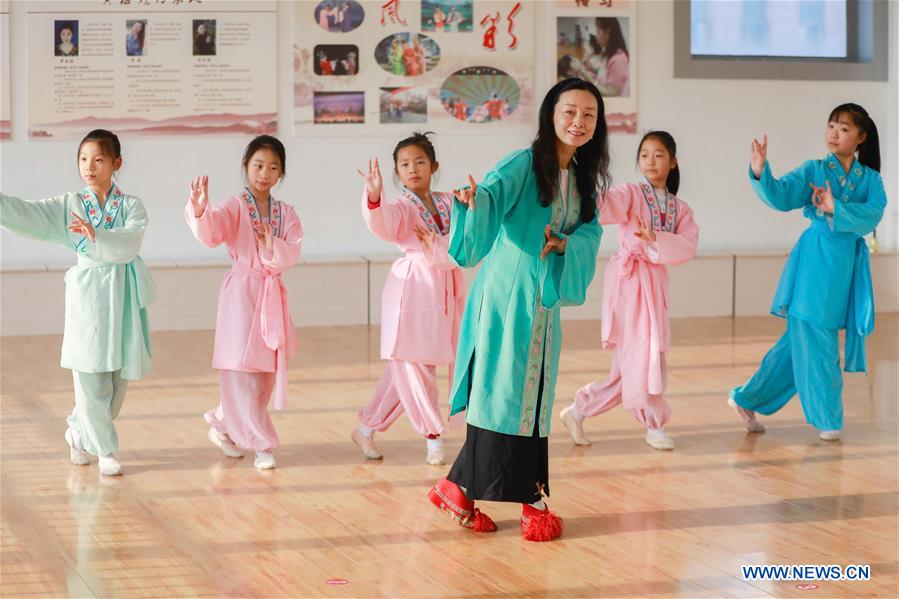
(807, 586)
(337, 581)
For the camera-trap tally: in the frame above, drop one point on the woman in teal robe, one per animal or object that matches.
(533, 222)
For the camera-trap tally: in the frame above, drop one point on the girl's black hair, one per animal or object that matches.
(616, 37)
(673, 180)
(563, 67)
(591, 160)
(107, 140)
(868, 150)
(68, 25)
(266, 142)
(419, 140)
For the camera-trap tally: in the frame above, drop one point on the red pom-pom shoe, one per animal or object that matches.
(540, 525)
(450, 499)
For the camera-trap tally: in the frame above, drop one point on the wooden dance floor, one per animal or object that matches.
(185, 521)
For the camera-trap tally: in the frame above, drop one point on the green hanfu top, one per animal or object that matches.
(511, 334)
(109, 288)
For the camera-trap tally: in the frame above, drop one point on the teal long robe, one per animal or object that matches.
(510, 328)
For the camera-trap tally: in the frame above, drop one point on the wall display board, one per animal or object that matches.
(450, 66)
(5, 128)
(151, 67)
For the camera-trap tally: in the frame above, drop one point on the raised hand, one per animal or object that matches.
(374, 183)
(265, 237)
(466, 194)
(426, 237)
(199, 195)
(822, 197)
(82, 227)
(759, 155)
(645, 233)
(554, 243)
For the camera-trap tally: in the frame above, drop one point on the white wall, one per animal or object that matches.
(713, 121)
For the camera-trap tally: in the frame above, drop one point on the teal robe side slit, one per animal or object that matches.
(507, 358)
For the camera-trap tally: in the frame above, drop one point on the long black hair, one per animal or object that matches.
(591, 160)
(868, 150)
(143, 30)
(672, 182)
(616, 36)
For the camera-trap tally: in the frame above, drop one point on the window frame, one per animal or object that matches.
(867, 49)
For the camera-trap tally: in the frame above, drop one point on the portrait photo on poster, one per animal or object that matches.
(595, 49)
(135, 37)
(403, 105)
(448, 16)
(480, 95)
(336, 59)
(338, 108)
(204, 37)
(407, 54)
(618, 4)
(65, 38)
(339, 16)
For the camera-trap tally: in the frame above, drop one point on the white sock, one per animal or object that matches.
(366, 432)
(539, 505)
(575, 413)
(434, 443)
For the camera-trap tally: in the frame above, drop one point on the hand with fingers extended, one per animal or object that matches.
(426, 238)
(82, 227)
(554, 243)
(645, 232)
(822, 197)
(465, 195)
(374, 183)
(199, 195)
(265, 237)
(758, 156)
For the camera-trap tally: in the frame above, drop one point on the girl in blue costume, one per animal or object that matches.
(826, 283)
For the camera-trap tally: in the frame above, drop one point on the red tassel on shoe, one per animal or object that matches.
(450, 499)
(482, 522)
(540, 525)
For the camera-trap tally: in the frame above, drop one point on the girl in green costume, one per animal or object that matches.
(107, 337)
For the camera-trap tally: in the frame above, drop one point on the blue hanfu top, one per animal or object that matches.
(827, 278)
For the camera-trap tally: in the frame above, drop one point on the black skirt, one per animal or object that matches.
(494, 466)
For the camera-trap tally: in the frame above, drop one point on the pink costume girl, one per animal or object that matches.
(422, 301)
(655, 229)
(254, 336)
(324, 15)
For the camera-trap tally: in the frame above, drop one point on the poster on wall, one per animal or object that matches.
(151, 68)
(5, 128)
(596, 40)
(450, 66)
